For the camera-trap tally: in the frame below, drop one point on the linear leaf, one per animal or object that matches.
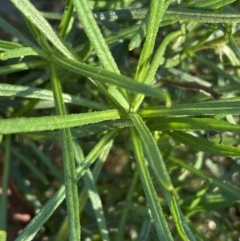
(4, 187)
(104, 76)
(15, 32)
(32, 167)
(18, 125)
(178, 219)
(22, 66)
(96, 204)
(173, 13)
(20, 52)
(223, 107)
(181, 222)
(69, 167)
(152, 151)
(156, 210)
(188, 123)
(95, 36)
(42, 94)
(34, 16)
(46, 211)
(226, 187)
(201, 144)
(156, 11)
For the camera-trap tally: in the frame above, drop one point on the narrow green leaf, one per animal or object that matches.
(70, 182)
(156, 12)
(234, 45)
(157, 61)
(140, 35)
(46, 161)
(216, 201)
(201, 144)
(226, 187)
(214, 4)
(95, 36)
(31, 166)
(156, 210)
(216, 69)
(125, 212)
(20, 52)
(173, 13)
(4, 187)
(110, 39)
(153, 153)
(187, 77)
(66, 19)
(198, 15)
(223, 107)
(34, 16)
(98, 42)
(83, 197)
(99, 147)
(188, 123)
(119, 97)
(42, 94)
(69, 168)
(42, 216)
(7, 45)
(16, 33)
(18, 125)
(158, 58)
(200, 194)
(182, 225)
(47, 210)
(104, 76)
(177, 218)
(145, 229)
(96, 204)
(135, 207)
(22, 66)
(100, 127)
(161, 174)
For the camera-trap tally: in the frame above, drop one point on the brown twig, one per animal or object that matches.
(193, 86)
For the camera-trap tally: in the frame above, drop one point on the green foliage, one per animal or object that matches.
(132, 120)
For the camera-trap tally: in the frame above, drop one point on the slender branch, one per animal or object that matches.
(193, 86)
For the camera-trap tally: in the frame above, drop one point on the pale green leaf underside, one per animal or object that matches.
(20, 52)
(18, 125)
(173, 13)
(41, 94)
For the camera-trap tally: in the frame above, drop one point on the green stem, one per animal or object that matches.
(70, 175)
